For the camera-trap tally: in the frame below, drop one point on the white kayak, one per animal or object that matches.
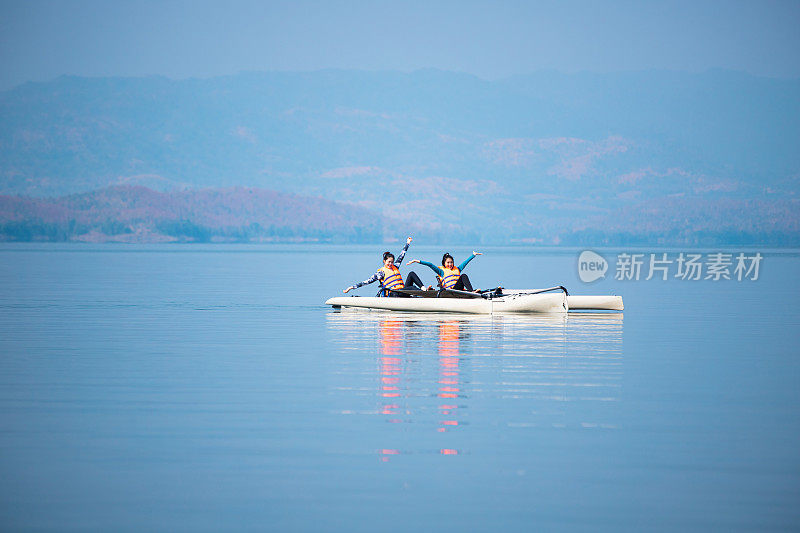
(522, 301)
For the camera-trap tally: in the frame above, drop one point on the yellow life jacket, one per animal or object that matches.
(450, 277)
(392, 279)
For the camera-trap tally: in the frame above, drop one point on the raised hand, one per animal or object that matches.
(413, 261)
(476, 253)
(408, 240)
(348, 289)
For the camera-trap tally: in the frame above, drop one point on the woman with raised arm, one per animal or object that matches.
(389, 276)
(450, 276)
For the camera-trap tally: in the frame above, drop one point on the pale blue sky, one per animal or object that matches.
(40, 40)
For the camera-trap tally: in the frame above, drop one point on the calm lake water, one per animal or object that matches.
(182, 387)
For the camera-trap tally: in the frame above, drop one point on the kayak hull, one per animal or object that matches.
(599, 303)
(517, 302)
(513, 303)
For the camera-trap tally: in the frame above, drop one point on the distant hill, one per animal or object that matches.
(549, 157)
(125, 213)
(139, 214)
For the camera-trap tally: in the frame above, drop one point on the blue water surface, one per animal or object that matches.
(189, 387)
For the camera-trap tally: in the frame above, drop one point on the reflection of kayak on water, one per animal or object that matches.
(552, 300)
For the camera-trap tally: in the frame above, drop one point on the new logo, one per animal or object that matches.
(591, 266)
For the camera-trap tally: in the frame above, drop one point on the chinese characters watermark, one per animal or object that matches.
(714, 266)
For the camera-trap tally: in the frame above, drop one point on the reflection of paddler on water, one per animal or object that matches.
(391, 339)
(450, 276)
(389, 276)
(449, 336)
(391, 334)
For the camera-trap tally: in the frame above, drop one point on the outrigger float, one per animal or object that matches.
(490, 301)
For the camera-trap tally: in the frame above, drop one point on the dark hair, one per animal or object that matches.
(445, 256)
(387, 254)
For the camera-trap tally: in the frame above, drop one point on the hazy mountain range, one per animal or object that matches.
(125, 213)
(639, 157)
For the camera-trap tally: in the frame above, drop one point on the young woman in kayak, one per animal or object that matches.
(389, 275)
(450, 277)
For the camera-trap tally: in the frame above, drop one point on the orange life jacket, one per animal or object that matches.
(391, 278)
(450, 277)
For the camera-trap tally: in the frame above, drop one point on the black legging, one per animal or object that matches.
(412, 282)
(463, 284)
